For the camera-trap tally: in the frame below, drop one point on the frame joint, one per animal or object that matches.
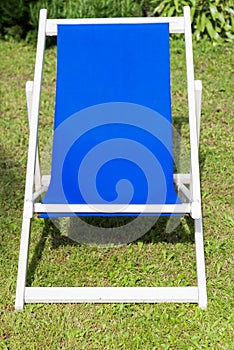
(28, 209)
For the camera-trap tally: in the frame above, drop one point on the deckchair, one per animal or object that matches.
(113, 76)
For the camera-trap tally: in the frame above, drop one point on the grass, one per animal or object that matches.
(158, 258)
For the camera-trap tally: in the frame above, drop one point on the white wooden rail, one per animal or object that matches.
(176, 25)
(110, 294)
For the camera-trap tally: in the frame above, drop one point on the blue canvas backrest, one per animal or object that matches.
(113, 129)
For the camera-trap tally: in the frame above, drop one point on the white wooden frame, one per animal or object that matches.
(37, 184)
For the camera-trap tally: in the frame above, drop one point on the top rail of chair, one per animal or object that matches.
(176, 24)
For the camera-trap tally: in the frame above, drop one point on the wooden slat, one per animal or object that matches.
(176, 25)
(112, 208)
(110, 294)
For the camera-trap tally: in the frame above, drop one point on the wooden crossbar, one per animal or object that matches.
(176, 25)
(110, 294)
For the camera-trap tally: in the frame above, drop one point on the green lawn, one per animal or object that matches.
(159, 258)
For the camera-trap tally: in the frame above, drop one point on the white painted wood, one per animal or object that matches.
(22, 265)
(32, 151)
(110, 294)
(184, 191)
(198, 98)
(39, 193)
(112, 208)
(32, 148)
(45, 180)
(195, 176)
(176, 25)
(200, 263)
(29, 92)
(182, 178)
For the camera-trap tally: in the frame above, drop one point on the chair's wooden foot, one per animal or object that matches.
(22, 267)
(200, 259)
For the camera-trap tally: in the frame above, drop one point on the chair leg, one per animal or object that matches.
(29, 92)
(22, 267)
(198, 101)
(200, 259)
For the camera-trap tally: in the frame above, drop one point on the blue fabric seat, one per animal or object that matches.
(113, 126)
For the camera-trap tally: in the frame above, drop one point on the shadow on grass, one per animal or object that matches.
(57, 240)
(183, 233)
